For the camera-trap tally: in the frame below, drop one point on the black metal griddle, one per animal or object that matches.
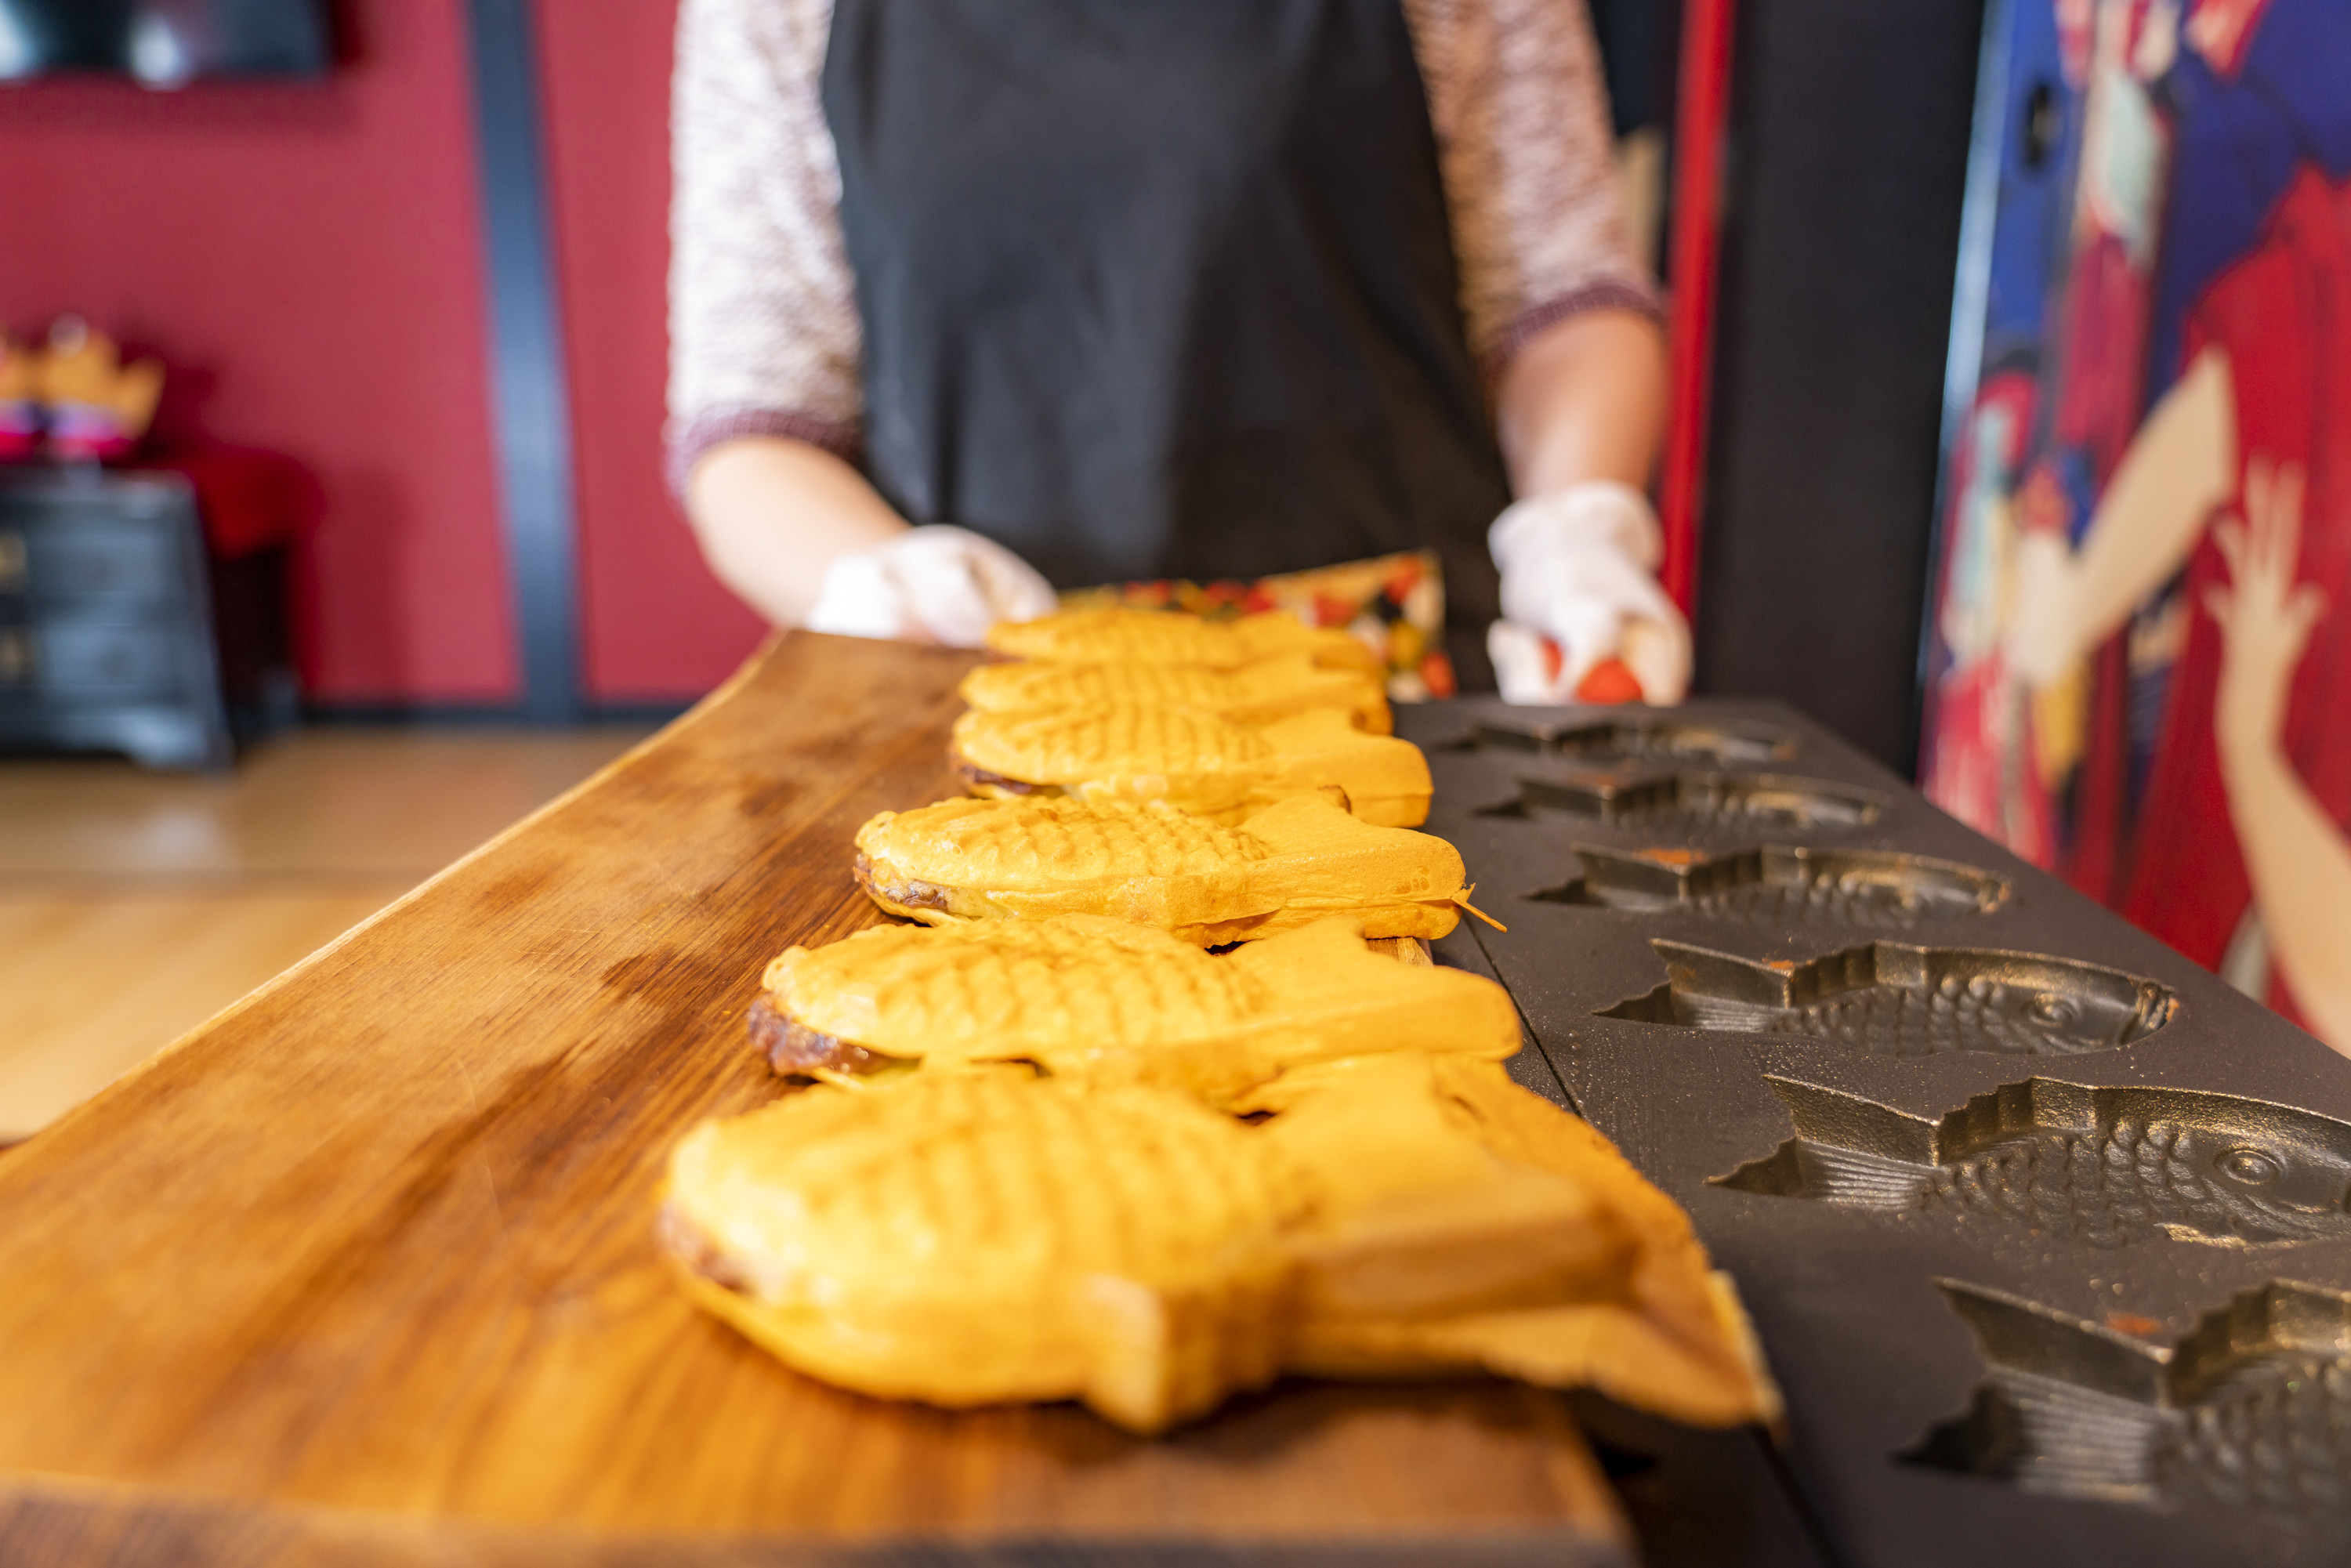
(1874, 1055)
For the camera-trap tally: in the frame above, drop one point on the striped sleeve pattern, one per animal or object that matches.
(764, 333)
(1522, 116)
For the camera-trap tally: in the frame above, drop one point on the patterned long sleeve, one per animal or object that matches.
(1521, 108)
(764, 333)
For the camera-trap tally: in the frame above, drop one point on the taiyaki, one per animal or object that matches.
(1291, 864)
(1192, 761)
(2102, 1168)
(1174, 639)
(2251, 1410)
(1889, 999)
(1255, 693)
(976, 1237)
(1082, 994)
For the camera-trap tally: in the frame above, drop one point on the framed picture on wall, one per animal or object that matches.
(166, 43)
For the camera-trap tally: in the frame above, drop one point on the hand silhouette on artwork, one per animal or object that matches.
(2148, 521)
(2265, 619)
(2296, 854)
(2045, 628)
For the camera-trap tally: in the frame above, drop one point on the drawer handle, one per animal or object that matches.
(11, 563)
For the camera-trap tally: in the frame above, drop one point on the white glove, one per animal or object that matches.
(1579, 567)
(937, 584)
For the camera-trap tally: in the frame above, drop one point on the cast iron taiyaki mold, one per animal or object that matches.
(2252, 1410)
(1886, 998)
(1692, 802)
(1783, 885)
(2101, 1167)
(2159, 1202)
(1625, 737)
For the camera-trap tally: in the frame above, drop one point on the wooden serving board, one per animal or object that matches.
(363, 1270)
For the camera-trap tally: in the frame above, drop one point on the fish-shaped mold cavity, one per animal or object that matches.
(970, 1238)
(1782, 885)
(1691, 804)
(1888, 999)
(1272, 689)
(1629, 738)
(1175, 640)
(2104, 1167)
(2252, 1410)
(1192, 761)
(1292, 863)
(1085, 996)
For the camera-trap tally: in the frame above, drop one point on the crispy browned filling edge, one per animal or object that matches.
(908, 894)
(683, 1241)
(791, 1047)
(794, 1049)
(975, 777)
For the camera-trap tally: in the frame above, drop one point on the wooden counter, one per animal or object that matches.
(363, 1270)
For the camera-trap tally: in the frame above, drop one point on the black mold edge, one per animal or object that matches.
(1660, 879)
(1625, 797)
(1701, 1497)
(2236, 1171)
(2246, 1411)
(1632, 736)
(1711, 991)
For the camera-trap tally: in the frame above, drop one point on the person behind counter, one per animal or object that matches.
(971, 300)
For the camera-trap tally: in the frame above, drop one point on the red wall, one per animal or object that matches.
(309, 260)
(311, 257)
(653, 622)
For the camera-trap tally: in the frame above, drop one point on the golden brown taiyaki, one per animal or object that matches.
(975, 1237)
(1172, 639)
(1192, 761)
(1080, 994)
(1256, 693)
(1028, 856)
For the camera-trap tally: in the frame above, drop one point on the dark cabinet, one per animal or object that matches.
(106, 620)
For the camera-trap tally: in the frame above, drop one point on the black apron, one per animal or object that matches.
(1162, 288)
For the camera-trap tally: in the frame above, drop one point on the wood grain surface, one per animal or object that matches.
(363, 1270)
(219, 882)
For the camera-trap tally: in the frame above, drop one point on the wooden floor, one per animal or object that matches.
(134, 905)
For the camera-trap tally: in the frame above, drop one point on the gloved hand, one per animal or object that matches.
(936, 584)
(1579, 570)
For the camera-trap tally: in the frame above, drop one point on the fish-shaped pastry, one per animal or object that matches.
(1028, 856)
(2251, 1410)
(982, 1235)
(1174, 639)
(1192, 761)
(1273, 688)
(1086, 995)
(2102, 1168)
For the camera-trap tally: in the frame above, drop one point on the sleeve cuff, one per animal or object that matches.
(1602, 294)
(690, 438)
